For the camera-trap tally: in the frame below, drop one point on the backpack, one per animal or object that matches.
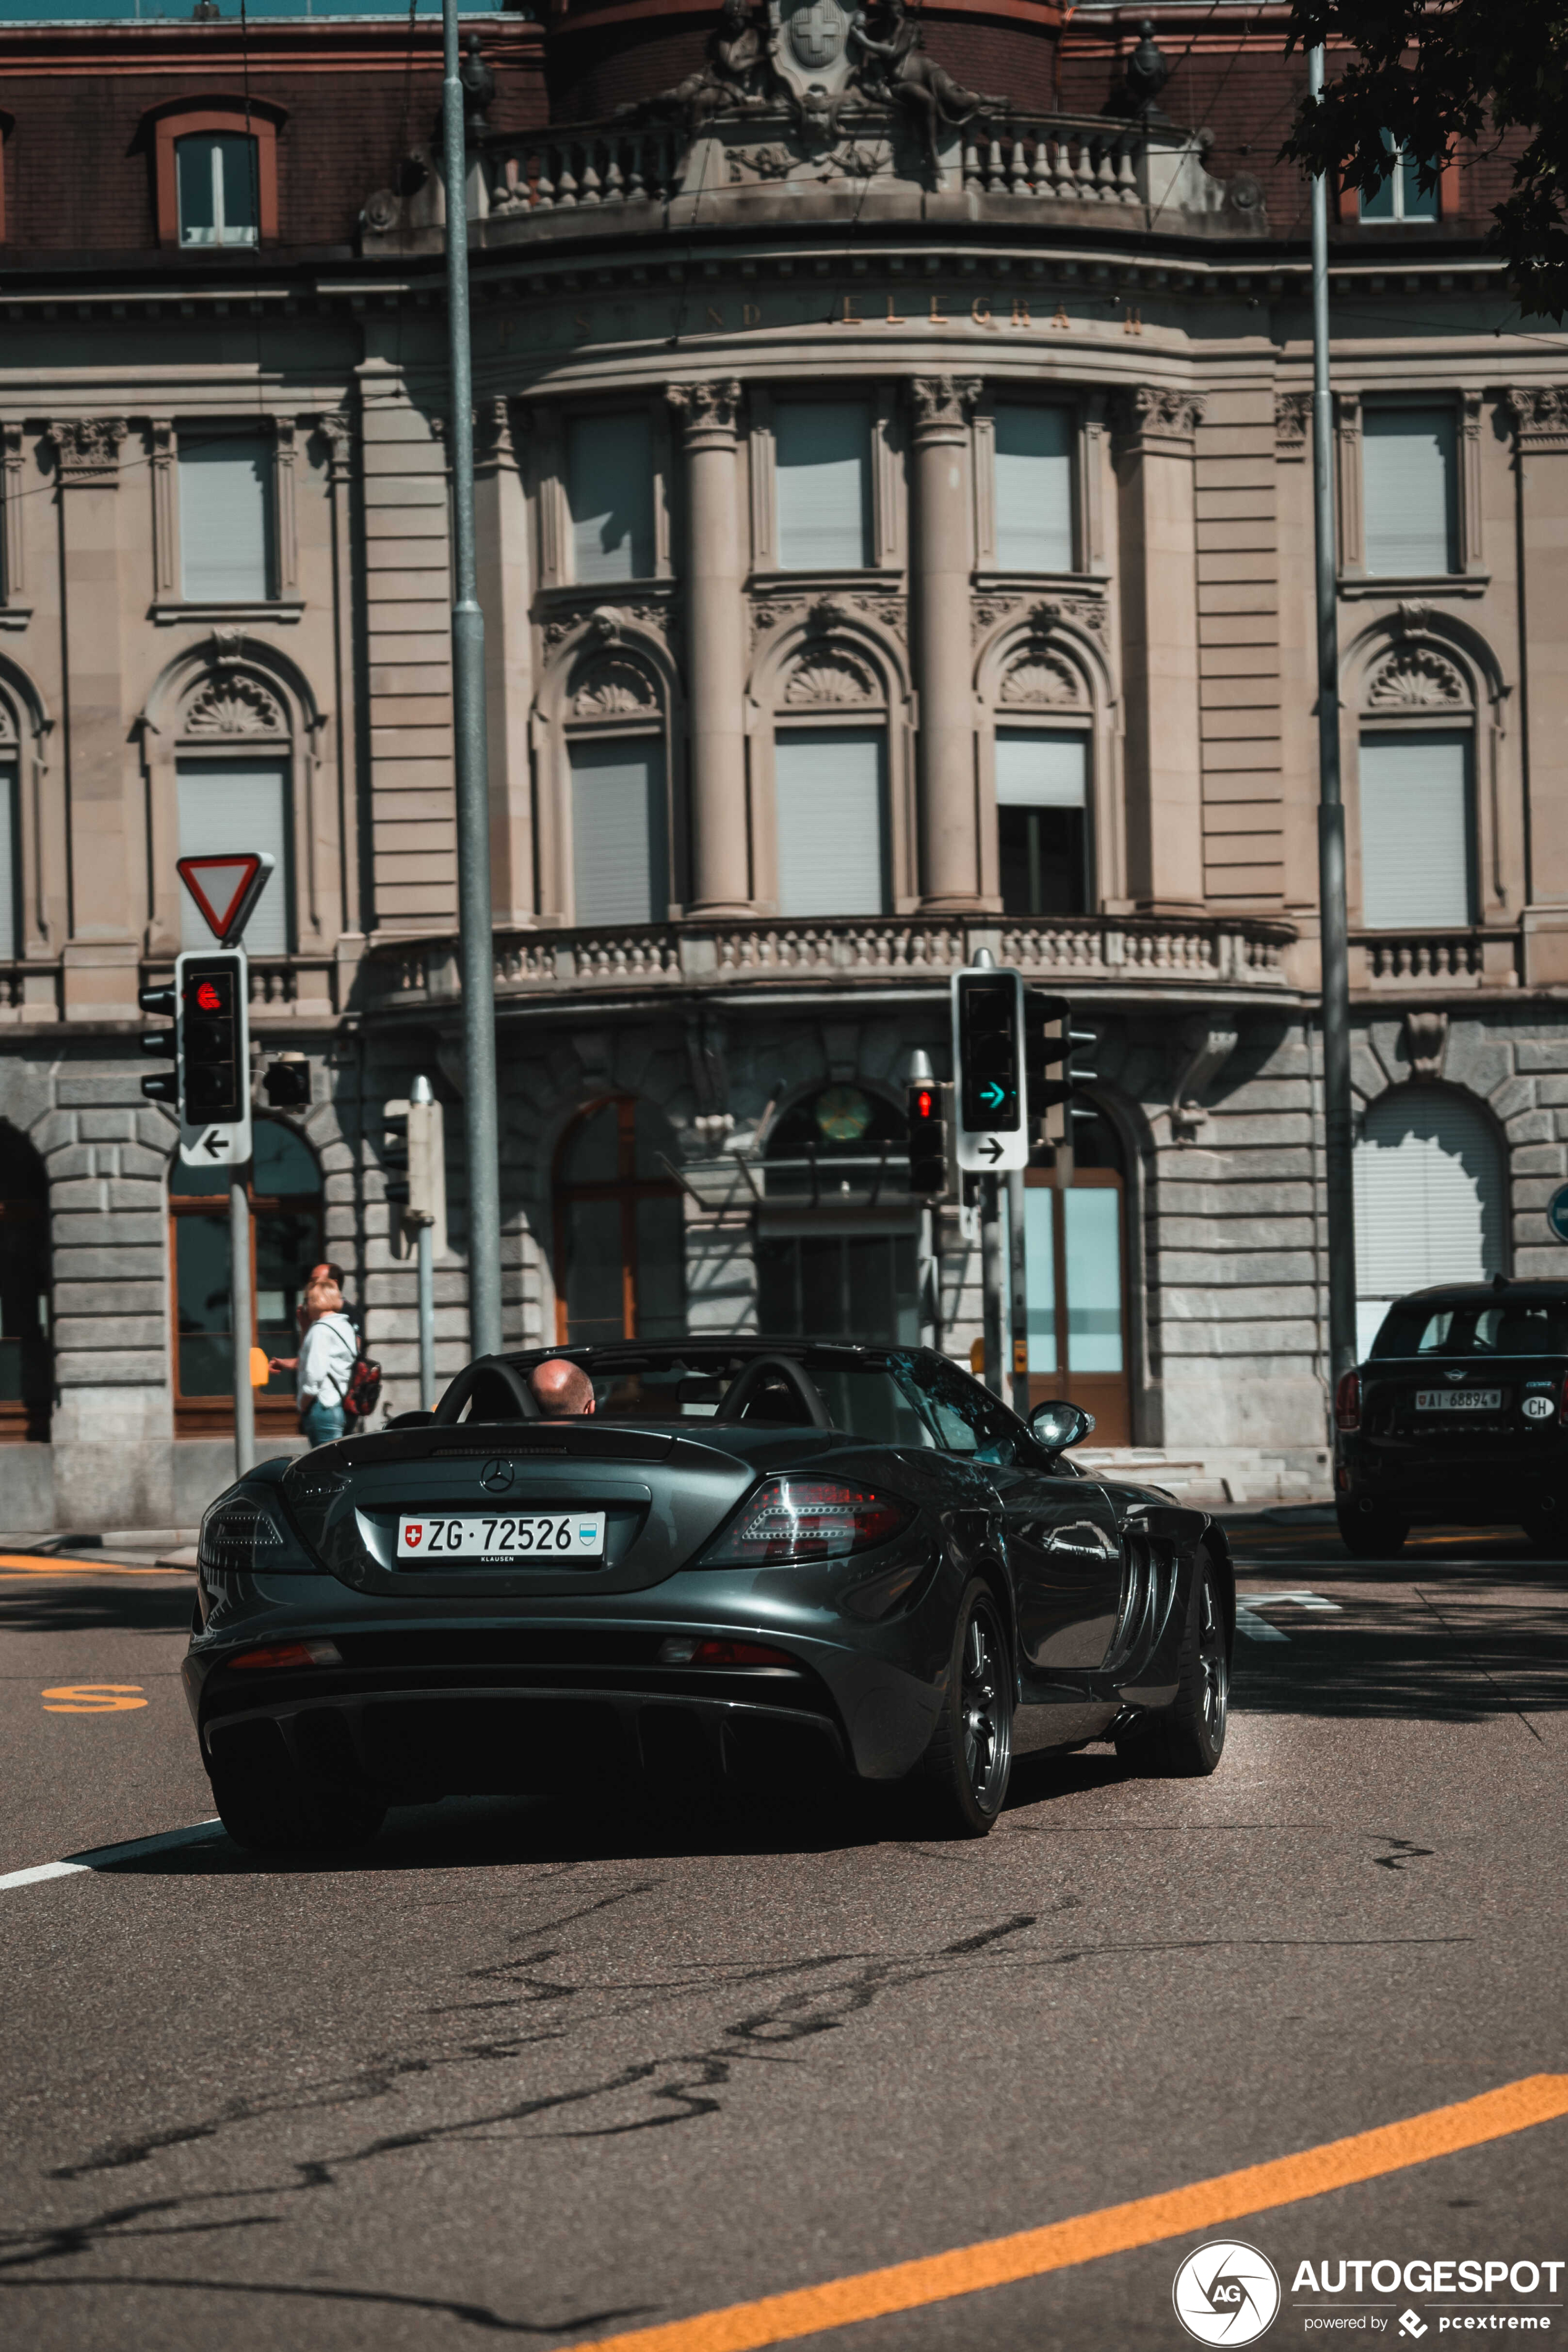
(364, 1392)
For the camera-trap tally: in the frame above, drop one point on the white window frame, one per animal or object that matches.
(200, 241)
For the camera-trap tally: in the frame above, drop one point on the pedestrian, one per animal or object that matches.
(325, 1367)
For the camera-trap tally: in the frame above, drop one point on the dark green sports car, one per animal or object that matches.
(762, 1559)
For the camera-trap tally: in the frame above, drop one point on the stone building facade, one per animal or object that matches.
(895, 539)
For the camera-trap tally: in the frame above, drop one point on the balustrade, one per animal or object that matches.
(544, 171)
(1057, 160)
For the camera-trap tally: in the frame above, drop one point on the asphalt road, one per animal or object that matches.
(520, 2074)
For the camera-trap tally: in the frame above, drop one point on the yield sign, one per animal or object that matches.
(225, 888)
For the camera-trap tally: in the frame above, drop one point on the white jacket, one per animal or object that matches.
(327, 1356)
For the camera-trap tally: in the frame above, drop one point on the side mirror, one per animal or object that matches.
(1058, 1425)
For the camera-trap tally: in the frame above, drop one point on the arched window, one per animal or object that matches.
(235, 792)
(216, 172)
(617, 774)
(837, 1258)
(286, 1240)
(26, 1375)
(1430, 1199)
(620, 1235)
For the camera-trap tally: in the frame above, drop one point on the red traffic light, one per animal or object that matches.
(209, 997)
(926, 1103)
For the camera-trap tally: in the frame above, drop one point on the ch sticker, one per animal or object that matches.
(93, 1698)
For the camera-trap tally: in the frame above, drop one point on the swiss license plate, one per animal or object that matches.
(493, 1537)
(1459, 1399)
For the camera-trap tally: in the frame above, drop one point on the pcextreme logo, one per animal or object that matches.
(1227, 2292)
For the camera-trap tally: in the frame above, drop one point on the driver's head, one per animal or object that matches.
(560, 1389)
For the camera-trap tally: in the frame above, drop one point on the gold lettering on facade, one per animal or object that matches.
(749, 315)
(893, 318)
(1133, 324)
(849, 316)
(715, 318)
(1061, 319)
(938, 317)
(1021, 312)
(980, 311)
(583, 325)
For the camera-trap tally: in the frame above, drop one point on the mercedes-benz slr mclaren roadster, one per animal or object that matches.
(771, 1561)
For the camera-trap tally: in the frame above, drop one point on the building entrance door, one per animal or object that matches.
(1076, 1247)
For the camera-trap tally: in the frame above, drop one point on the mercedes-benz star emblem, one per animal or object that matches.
(496, 1476)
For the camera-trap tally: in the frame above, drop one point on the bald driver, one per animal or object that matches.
(560, 1389)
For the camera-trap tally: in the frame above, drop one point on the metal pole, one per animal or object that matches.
(425, 1244)
(1018, 1262)
(478, 963)
(1338, 1131)
(991, 1283)
(239, 1308)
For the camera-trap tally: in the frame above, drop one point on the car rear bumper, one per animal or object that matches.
(422, 1711)
(1476, 1491)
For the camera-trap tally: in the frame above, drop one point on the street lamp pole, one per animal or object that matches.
(473, 759)
(1338, 1131)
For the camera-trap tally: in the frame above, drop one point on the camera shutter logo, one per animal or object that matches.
(1227, 2292)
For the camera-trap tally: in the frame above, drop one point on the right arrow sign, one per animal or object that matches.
(992, 1132)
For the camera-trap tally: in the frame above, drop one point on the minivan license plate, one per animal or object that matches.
(1459, 1399)
(493, 1538)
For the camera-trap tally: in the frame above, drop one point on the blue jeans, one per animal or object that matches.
(322, 1422)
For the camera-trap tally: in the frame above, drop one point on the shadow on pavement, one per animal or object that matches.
(97, 1607)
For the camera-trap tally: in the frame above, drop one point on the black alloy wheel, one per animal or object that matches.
(1371, 1535)
(965, 1770)
(1186, 1740)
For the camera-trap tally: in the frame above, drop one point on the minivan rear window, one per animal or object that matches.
(1510, 1328)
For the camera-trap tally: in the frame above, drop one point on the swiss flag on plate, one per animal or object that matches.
(411, 1534)
(225, 888)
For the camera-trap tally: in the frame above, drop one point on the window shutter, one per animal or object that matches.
(1415, 832)
(1429, 1196)
(1038, 769)
(829, 791)
(9, 865)
(609, 489)
(232, 804)
(1408, 478)
(618, 832)
(240, 169)
(822, 460)
(225, 524)
(197, 189)
(1034, 490)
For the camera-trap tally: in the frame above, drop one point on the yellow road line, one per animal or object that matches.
(1088, 2237)
(13, 1563)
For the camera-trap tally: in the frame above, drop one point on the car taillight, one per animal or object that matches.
(806, 1518)
(289, 1653)
(1347, 1400)
(689, 1650)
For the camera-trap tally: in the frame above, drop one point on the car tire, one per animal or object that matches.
(1372, 1535)
(1186, 1740)
(287, 1814)
(961, 1781)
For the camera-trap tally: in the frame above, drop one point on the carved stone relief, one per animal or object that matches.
(1045, 613)
(234, 706)
(1414, 677)
(616, 687)
(1036, 678)
(607, 622)
(1292, 422)
(831, 675)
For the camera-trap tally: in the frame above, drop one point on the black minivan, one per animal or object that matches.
(1460, 1413)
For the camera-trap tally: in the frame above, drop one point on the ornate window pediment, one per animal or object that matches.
(831, 677)
(1416, 677)
(234, 704)
(1039, 680)
(617, 688)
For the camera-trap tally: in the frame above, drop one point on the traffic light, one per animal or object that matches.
(414, 1151)
(988, 1051)
(1048, 1039)
(216, 1078)
(927, 1119)
(161, 1086)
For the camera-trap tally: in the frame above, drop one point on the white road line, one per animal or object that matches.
(104, 1857)
(1253, 1628)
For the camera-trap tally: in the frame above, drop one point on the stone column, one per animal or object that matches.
(506, 593)
(108, 841)
(1156, 436)
(1540, 418)
(939, 585)
(715, 622)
